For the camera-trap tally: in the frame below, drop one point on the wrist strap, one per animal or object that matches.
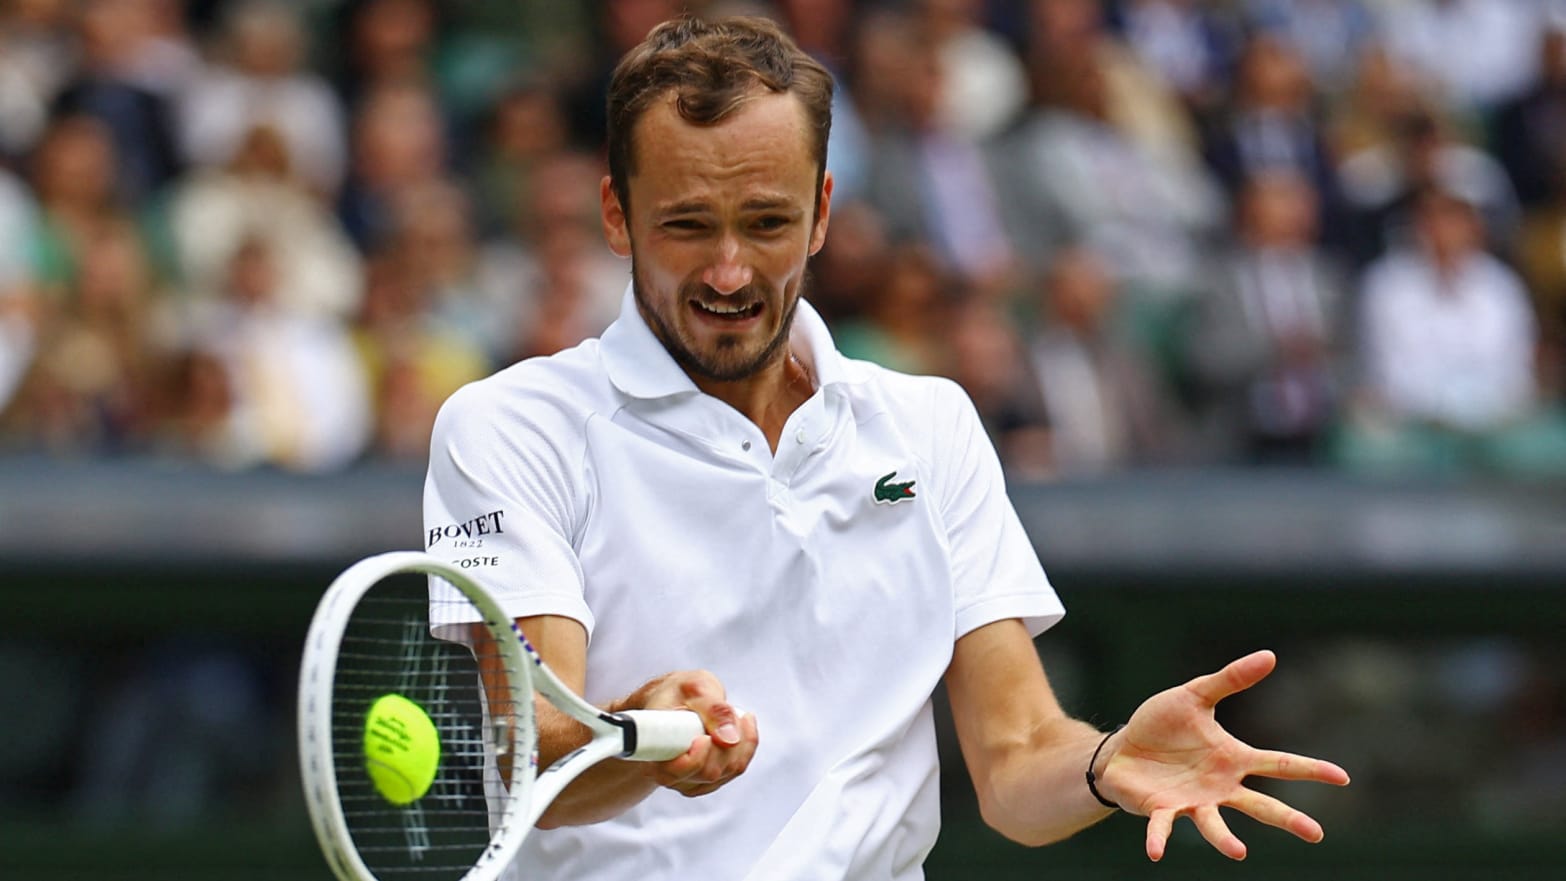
(1092, 779)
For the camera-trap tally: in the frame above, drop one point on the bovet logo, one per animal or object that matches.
(484, 524)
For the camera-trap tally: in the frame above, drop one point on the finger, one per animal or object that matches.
(1210, 823)
(740, 730)
(1288, 766)
(724, 727)
(708, 764)
(1266, 809)
(1159, 824)
(703, 693)
(682, 767)
(1235, 677)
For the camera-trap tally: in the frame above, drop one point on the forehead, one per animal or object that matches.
(763, 146)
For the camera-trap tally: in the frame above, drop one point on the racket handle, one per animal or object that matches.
(661, 735)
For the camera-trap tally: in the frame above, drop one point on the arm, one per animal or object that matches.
(1025, 755)
(1172, 759)
(612, 787)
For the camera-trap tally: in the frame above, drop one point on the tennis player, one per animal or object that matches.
(710, 507)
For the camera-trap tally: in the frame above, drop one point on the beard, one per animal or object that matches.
(732, 357)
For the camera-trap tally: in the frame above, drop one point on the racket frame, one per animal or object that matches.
(640, 735)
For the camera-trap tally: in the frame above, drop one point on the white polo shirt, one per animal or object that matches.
(824, 585)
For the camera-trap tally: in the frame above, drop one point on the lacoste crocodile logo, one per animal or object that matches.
(887, 493)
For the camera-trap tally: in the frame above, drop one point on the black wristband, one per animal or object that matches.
(1092, 779)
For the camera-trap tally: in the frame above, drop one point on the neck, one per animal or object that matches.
(766, 398)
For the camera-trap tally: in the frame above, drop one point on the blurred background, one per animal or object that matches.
(1262, 301)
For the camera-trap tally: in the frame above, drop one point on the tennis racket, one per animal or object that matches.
(370, 639)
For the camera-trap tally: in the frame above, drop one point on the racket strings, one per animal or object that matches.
(388, 648)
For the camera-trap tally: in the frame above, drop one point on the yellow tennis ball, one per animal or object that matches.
(401, 749)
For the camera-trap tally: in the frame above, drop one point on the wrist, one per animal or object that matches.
(1096, 766)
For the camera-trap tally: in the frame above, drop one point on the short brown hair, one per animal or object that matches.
(712, 67)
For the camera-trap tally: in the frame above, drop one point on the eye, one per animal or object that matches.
(771, 222)
(684, 225)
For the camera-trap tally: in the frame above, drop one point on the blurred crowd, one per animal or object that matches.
(255, 233)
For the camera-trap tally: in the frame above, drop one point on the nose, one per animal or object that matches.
(727, 273)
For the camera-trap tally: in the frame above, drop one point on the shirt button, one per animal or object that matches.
(800, 436)
(745, 446)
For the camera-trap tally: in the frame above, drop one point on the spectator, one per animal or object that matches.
(551, 283)
(389, 44)
(1542, 260)
(413, 362)
(931, 184)
(621, 24)
(1102, 399)
(258, 80)
(256, 194)
(123, 83)
(825, 28)
(984, 85)
(847, 273)
(38, 54)
(904, 325)
(1481, 53)
(1330, 35)
(1380, 184)
(399, 143)
(199, 413)
(1529, 131)
(1271, 124)
(432, 233)
(526, 128)
(73, 173)
(1367, 114)
(1188, 44)
(1268, 346)
(1448, 347)
(1075, 176)
(300, 397)
(90, 386)
(989, 362)
(18, 214)
(17, 322)
(1141, 107)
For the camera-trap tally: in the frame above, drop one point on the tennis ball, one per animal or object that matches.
(401, 749)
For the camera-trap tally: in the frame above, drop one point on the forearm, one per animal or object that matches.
(605, 790)
(602, 791)
(1034, 791)
(1027, 757)
(609, 788)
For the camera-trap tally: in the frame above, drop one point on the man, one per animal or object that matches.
(710, 500)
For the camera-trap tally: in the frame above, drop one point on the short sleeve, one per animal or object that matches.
(995, 572)
(500, 504)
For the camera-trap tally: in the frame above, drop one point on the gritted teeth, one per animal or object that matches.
(728, 310)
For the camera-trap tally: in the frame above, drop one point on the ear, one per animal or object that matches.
(823, 213)
(616, 226)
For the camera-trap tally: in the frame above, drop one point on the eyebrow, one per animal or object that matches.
(755, 203)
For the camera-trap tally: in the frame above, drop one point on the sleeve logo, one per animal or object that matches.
(484, 524)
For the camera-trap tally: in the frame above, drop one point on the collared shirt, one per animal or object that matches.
(825, 584)
(1455, 349)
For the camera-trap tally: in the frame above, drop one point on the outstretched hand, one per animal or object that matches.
(1173, 760)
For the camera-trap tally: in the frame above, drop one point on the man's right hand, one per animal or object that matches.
(714, 758)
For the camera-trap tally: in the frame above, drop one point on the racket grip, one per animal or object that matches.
(662, 734)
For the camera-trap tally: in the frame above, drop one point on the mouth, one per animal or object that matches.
(727, 312)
